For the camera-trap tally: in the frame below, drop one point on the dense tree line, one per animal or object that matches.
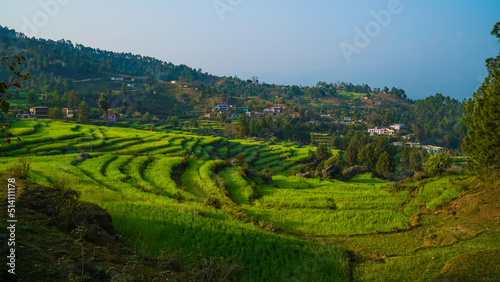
(282, 129)
(62, 57)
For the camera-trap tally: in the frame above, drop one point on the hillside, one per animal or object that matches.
(131, 168)
(61, 68)
(174, 192)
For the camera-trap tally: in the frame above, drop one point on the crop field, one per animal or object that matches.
(175, 191)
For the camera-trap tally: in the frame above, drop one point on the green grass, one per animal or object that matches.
(156, 194)
(159, 173)
(238, 188)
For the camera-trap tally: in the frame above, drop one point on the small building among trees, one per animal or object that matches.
(40, 112)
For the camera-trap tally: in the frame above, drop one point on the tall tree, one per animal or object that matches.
(174, 121)
(103, 104)
(367, 155)
(385, 163)
(72, 102)
(482, 118)
(83, 112)
(323, 152)
(55, 113)
(358, 141)
(32, 97)
(242, 127)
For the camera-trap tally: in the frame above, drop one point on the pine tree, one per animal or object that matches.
(385, 163)
(103, 104)
(323, 152)
(367, 155)
(358, 141)
(482, 118)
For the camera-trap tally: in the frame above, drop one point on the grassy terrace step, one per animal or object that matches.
(145, 147)
(261, 160)
(191, 144)
(158, 173)
(113, 173)
(168, 150)
(198, 150)
(237, 150)
(223, 151)
(95, 168)
(190, 180)
(119, 143)
(269, 164)
(239, 190)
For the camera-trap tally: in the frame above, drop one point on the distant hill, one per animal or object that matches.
(136, 83)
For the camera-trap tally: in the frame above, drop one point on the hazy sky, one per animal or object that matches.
(422, 46)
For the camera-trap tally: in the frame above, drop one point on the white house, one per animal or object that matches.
(397, 127)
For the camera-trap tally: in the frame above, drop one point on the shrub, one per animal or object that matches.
(213, 202)
(334, 160)
(395, 187)
(296, 169)
(436, 164)
(419, 175)
(215, 269)
(20, 169)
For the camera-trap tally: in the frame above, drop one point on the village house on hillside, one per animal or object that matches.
(40, 112)
(346, 120)
(69, 113)
(397, 127)
(273, 110)
(380, 131)
(224, 108)
(386, 131)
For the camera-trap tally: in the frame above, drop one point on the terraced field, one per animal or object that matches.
(176, 191)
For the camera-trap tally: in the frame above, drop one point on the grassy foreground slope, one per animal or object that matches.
(174, 192)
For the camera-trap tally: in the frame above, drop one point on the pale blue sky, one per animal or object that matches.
(423, 46)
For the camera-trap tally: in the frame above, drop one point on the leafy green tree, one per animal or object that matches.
(13, 65)
(482, 118)
(323, 152)
(147, 116)
(242, 127)
(103, 104)
(416, 158)
(83, 112)
(385, 163)
(436, 164)
(335, 160)
(357, 141)
(174, 121)
(94, 113)
(72, 102)
(193, 123)
(32, 97)
(367, 155)
(55, 113)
